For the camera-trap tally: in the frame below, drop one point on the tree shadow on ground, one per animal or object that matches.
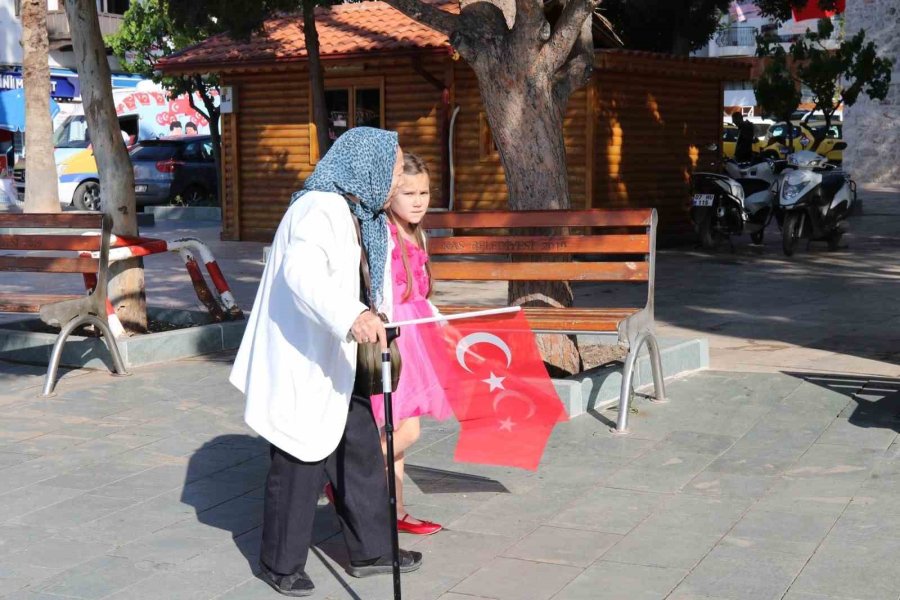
(877, 398)
(835, 302)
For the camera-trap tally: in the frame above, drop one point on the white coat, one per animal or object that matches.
(297, 363)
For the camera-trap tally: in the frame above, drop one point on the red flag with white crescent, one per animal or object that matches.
(499, 390)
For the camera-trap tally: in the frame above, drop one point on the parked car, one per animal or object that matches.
(816, 139)
(729, 140)
(178, 170)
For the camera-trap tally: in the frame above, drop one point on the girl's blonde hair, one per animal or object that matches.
(413, 165)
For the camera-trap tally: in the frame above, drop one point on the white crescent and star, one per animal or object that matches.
(495, 382)
(480, 337)
(507, 394)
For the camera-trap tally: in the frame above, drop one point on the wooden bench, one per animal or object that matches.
(611, 246)
(47, 247)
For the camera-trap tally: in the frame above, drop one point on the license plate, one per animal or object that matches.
(703, 199)
(140, 189)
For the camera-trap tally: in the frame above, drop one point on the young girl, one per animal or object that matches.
(418, 391)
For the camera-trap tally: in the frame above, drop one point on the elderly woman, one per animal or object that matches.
(297, 363)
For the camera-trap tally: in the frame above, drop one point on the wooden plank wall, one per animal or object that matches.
(270, 157)
(413, 108)
(655, 118)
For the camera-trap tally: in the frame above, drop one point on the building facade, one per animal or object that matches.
(872, 128)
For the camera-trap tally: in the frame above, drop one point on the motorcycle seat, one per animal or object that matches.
(752, 186)
(831, 183)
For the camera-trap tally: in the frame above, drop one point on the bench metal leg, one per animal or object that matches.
(56, 355)
(625, 392)
(659, 382)
(628, 378)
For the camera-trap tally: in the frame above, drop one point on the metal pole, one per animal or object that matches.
(392, 333)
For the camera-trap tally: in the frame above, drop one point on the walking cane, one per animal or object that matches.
(392, 334)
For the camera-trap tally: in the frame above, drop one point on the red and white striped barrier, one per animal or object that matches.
(115, 325)
(219, 300)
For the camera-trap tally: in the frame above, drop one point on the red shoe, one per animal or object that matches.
(421, 528)
(329, 493)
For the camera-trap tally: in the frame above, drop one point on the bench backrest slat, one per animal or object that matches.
(540, 218)
(49, 264)
(75, 243)
(67, 220)
(541, 271)
(606, 246)
(535, 244)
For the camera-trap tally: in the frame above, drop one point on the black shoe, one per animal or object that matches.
(409, 561)
(296, 584)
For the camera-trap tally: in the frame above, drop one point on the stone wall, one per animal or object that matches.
(872, 129)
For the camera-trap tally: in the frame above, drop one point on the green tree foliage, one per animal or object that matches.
(242, 18)
(776, 91)
(838, 77)
(674, 26)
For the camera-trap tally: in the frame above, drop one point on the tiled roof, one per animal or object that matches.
(343, 29)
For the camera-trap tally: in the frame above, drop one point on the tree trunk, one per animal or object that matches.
(41, 188)
(126, 284)
(212, 114)
(536, 178)
(527, 68)
(216, 137)
(316, 76)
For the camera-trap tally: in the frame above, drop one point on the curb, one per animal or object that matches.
(599, 388)
(17, 344)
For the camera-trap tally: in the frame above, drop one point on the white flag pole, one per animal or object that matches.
(466, 315)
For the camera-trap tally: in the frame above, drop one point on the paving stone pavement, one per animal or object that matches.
(745, 486)
(775, 476)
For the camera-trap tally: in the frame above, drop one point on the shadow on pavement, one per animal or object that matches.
(225, 482)
(877, 398)
(839, 302)
(439, 481)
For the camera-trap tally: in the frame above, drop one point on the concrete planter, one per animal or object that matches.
(596, 389)
(18, 344)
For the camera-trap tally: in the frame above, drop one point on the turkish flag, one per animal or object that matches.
(812, 10)
(498, 388)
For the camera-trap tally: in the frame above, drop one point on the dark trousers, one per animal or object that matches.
(356, 472)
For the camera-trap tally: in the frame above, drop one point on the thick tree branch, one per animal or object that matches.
(437, 19)
(529, 17)
(566, 32)
(201, 89)
(576, 72)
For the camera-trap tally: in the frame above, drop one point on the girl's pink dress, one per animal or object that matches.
(418, 392)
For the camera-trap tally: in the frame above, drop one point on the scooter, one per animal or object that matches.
(737, 202)
(814, 199)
